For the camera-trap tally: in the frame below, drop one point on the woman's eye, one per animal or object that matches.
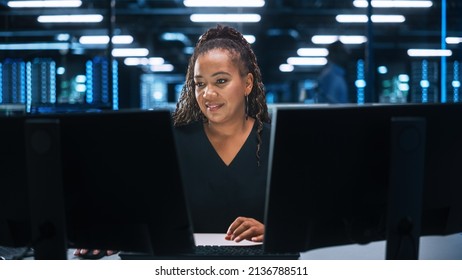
(221, 81)
(199, 84)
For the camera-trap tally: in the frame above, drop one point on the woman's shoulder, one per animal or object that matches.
(266, 129)
(190, 127)
(188, 131)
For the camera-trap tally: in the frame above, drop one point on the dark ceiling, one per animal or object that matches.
(285, 26)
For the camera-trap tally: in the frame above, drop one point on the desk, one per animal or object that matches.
(430, 248)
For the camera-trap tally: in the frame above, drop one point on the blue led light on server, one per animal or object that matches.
(13, 81)
(98, 83)
(115, 85)
(360, 82)
(52, 75)
(456, 81)
(424, 83)
(28, 87)
(89, 81)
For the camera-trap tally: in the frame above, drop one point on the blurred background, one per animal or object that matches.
(58, 54)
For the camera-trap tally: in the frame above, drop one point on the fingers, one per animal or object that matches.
(83, 252)
(258, 238)
(79, 252)
(245, 228)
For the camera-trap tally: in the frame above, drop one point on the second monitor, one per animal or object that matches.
(332, 170)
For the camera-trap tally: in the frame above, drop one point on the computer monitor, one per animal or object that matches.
(14, 203)
(360, 173)
(121, 183)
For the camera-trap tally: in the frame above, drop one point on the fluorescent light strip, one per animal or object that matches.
(225, 17)
(453, 40)
(286, 68)
(250, 39)
(312, 52)
(375, 18)
(353, 40)
(124, 52)
(307, 61)
(45, 4)
(104, 39)
(428, 52)
(393, 4)
(346, 39)
(63, 37)
(70, 18)
(224, 3)
(35, 46)
(137, 61)
(162, 68)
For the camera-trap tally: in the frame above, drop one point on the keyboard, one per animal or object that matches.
(216, 252)
(11, 253)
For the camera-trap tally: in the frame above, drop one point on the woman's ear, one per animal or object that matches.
(248, 84)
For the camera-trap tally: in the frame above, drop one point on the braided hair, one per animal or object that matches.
(226, 38)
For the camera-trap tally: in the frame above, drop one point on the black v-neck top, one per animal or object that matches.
(217, 194)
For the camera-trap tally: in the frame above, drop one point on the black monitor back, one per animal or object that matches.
(330, 170)
(14, 203)
(121, 182)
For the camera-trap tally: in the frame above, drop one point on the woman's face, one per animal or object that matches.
(220, 89)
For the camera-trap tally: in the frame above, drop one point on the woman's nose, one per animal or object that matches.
(209, 91)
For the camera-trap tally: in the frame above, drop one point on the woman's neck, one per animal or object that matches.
(229, 129)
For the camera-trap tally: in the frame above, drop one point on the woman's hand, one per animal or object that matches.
(245, 228)
(93, 254)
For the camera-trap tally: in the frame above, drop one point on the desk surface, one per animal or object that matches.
(430, 248)
(219, 239)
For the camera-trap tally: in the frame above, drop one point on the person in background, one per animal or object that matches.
(222, 131)
(332, 84)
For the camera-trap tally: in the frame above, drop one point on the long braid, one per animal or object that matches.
(228, 38)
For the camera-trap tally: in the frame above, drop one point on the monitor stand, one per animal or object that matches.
(406, 188)
(45, 188)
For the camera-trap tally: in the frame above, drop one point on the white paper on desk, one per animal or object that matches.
(218, 239)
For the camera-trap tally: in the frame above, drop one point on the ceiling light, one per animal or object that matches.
(123, 52)
(45, 4)
(250, 39)
(175, 36)
(312, 52)
(393, 4)
(162, 68)
(307, 61)
(224, 3)
(324, 39)
(225, 17)
(286, 68)
(104, 39)
(70, 18)
(453, 40)
(428, 52)
(351, 40)
(63, 37)
(346, 39)
(375, 18)
(136, 61)
(35, 46)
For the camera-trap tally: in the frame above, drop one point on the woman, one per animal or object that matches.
(222, 134)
